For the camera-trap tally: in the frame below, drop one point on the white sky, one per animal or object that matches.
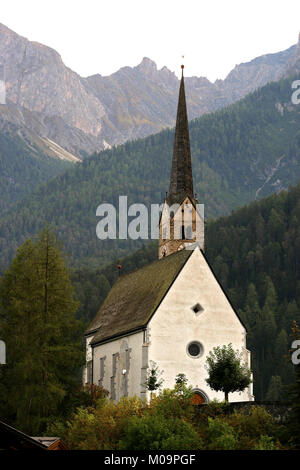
(100, 36)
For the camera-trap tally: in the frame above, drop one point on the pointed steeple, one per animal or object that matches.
(181, 177)
(180, 211)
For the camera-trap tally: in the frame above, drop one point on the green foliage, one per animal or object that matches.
(226, 372)
(181, 387)
(22, 168)
(221, 435)
(154, 380)
(43, 338)
(262, 279)
(253, 423)
(181, 379)
(265, 443)
(159, 433)
(102, 427)
(174, 403)
(275, 390)
(168, 422)
(215, 408)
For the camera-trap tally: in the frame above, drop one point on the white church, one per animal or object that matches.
(172, 312)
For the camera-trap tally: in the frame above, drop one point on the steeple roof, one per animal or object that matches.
(181, 184)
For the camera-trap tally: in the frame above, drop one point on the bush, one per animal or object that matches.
(256, 422)
(159, 433)
(265, 443)
(173, 403)
(101, 428)
(221, 435)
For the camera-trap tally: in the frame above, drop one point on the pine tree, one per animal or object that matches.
(264, 333)
(282, 364)
(37, 320)
(252, 310)
(275, 389)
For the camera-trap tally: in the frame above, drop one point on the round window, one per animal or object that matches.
(195, 349)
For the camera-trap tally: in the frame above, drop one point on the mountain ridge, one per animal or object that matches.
(87, 114)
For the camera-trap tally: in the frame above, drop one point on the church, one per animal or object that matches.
(172, 312)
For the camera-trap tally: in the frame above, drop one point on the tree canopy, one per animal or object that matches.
(226, 370)
(42, 335)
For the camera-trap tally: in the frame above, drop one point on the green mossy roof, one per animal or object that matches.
(134, 297)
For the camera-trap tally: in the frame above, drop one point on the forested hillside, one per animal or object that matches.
(22, 168)
(255, 254)
(246, 150)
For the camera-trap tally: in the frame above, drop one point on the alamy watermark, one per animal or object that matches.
(2, 352)
(296, 353)
(144, 224)
(296, 95)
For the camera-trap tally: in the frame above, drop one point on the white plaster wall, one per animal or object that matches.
(88, 357)
(175, 324)
(135, 343)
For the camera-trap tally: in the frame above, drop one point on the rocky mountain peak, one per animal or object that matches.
(147, 65)
(293, 66)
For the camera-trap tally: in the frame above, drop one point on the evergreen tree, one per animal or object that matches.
(252, 310)
(264, 333)
(154, 380)
(37, 321)
(282, 363)
(275, 389)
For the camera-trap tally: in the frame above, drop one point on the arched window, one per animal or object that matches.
(199, 397)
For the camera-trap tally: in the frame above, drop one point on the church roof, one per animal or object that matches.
(181, 183)
(135, 297)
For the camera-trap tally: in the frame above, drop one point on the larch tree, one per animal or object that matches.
(42, 335)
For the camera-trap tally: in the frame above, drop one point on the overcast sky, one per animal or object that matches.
(100, 36)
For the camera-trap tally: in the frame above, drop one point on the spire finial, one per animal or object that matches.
(182, 65)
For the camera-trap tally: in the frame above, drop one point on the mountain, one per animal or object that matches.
(245, 151)
(26, 159)
(293, 64)
(83, 115)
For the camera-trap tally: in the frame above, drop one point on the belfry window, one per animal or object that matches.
(189, 232)
(182, 233)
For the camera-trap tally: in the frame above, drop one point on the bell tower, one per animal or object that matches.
(181, 222)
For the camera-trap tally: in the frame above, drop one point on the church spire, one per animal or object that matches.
(181, 177)
(180, 211)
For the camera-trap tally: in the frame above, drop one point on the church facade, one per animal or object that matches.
(172, 312)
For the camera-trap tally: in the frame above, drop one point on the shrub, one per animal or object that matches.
(174, 403)
(101, 428)
(159, 433)
(256, 422)
(265, 443)
(221, 436)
